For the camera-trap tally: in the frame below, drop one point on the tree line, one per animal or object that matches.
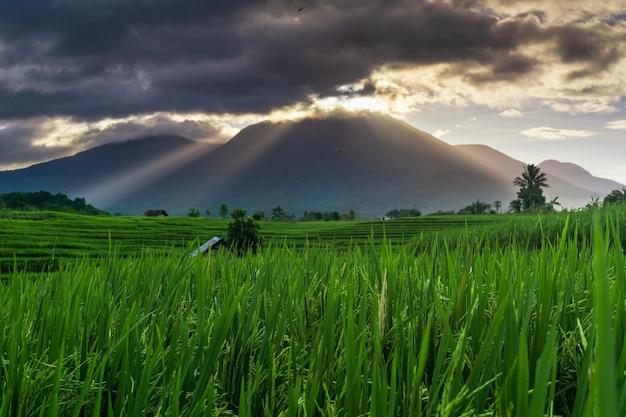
(277, 214)
(46, 201)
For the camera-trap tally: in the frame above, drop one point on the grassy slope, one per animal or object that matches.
(37, 240)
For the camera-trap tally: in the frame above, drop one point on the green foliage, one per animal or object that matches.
(477, 322)
(193, 212)
(278, 214)
(531, 184)
(442, 213)
(243, 233)
(515, 206)
(30, 240)
(223, 211)
(45, 201)
(327, 216)
(478, 207)
(398, 213)
(615, 197)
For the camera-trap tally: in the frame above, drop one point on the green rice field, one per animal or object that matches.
(40, 240)
(495, 315)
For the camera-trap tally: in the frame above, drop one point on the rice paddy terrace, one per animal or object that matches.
(39, 240)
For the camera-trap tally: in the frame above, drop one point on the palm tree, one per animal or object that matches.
(223, 211)
(549, 207)
(531, 185)
(594, 203)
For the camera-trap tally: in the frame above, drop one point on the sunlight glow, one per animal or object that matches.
(60, 132)
(123, 184)
(67, 132)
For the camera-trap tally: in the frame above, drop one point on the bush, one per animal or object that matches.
(243, 233)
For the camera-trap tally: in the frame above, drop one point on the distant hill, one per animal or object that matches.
(103, 174)
(579, 176)
(574, 185)
(369, 163)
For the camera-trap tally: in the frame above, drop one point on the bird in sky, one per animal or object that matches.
(301, 8)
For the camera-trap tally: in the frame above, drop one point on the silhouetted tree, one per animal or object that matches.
(515, 206)
(397, 213)
(478, 207)
(258, 215)
(243, 233)
(615, 197)
(223, 211)
(549, 206)
(497, 204)
(277, 213)
(531, 184)
(594, 203)
(193, 212)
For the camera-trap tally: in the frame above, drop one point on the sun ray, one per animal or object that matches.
(121, 185)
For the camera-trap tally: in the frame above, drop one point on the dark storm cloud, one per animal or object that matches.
(117, 57)
(97, 58)
(598, 47)
(504, 68)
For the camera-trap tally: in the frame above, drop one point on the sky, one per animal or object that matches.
(535, 79)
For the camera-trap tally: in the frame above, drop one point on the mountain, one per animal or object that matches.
(370, 163)
(106, 173)
(575, 174)
(573, 185)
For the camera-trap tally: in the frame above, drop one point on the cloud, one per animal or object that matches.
(439, 133)
(549, 133)
(122, 62)
(511, 114)
(17, 148)
(616, 125)
(113, 59)
(24, 142)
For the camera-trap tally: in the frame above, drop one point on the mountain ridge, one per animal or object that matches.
(368, 163)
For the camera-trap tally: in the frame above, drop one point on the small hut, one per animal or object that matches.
(155, 213)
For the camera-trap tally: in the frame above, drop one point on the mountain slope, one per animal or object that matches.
(573, 185)
(97, 173)
(579, 176)
(370, 163)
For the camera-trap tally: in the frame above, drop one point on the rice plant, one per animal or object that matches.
(475, 323)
